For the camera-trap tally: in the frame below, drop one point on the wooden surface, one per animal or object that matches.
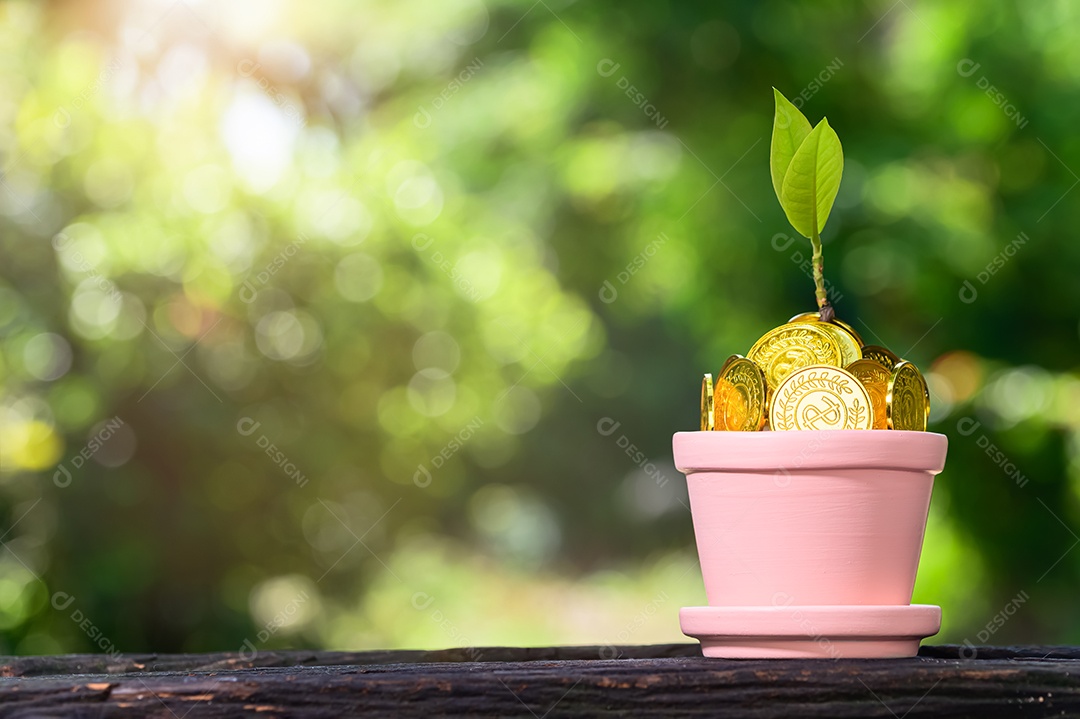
(661, 681)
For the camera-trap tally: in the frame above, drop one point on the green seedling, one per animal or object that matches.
(806, 165)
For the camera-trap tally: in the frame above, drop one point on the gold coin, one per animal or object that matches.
(739, 396)
(850, 350)
(815, 317)
(875, 379)
(706, 403)
(821, 397)
(907, 402)
(789, 347)
(882, 356)
(850, 330)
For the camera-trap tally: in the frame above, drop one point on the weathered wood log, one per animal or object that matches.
(226, 661)
(956, 651)
(1027, 681)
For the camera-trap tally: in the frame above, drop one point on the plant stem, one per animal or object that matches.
(825, 310)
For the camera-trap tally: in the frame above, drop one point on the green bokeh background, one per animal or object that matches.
(309, 312)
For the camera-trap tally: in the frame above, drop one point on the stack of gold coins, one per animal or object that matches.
(809, 374)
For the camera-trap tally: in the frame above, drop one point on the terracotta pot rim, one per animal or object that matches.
(769, 453)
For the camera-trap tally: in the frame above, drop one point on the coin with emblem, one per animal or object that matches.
(739, 396)
(706, 403)
(882, 356)
(815, 317)
(821, 397)
(793, 346)
(907, 401)
(875, 379)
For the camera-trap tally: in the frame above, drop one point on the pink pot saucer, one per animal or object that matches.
(823, 632)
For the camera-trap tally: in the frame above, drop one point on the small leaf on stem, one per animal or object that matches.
(812, 180)
(790, 128)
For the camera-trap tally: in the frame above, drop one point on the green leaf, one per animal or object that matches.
(790, 128)
(812, 180)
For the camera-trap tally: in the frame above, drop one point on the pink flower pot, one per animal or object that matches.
(809, 541)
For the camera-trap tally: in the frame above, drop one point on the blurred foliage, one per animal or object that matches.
(309, 312)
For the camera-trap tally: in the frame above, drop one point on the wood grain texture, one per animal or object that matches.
(228, 661)
(666, 680)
